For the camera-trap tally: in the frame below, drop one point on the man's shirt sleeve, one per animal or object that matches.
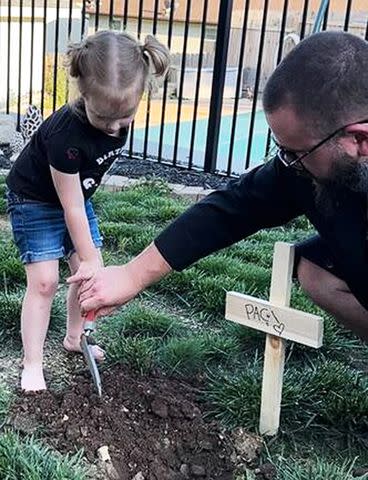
(259, 199)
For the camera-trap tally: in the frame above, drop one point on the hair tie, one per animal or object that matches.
(145, 53)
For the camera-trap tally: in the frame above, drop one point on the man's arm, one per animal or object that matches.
(113, 286)
(257, 200)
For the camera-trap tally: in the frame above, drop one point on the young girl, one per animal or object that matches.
(51, 182)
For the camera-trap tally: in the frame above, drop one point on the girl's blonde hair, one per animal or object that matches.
(111, 61)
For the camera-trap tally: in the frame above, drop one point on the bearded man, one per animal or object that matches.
(316, 104)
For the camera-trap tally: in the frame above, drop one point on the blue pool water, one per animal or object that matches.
(185, 131)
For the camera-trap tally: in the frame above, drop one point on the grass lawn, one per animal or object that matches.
(178, 326)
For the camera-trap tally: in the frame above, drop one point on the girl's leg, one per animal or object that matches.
(42, 282)
(75, 321)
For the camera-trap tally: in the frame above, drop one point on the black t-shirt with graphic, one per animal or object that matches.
(71, 145)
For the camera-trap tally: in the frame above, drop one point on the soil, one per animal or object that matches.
(267, 471)
(153, 426)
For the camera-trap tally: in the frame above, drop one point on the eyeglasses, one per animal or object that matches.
(292, 159)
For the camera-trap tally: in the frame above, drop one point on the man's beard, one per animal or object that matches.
(349, 173)
(346, 174)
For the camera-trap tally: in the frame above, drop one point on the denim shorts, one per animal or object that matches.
(40, 231)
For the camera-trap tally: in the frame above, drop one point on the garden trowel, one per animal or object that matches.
(88, 328)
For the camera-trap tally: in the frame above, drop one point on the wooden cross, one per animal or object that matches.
(280, 323)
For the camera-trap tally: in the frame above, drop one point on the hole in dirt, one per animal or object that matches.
(152, 425)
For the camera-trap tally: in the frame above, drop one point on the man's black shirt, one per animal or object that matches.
(267, 196)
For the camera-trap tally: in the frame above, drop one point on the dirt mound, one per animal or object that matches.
(153, 426)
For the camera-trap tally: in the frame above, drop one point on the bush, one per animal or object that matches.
(29, 459)
(128, 239)
(5, 400)
(315, 468)
(138, 353)
(194, 354)
(11, 308)
(11, 268)
(10, 311)
(137, 320)
(2, 199)
(328, 392)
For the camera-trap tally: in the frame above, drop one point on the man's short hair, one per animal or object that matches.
(324, 79)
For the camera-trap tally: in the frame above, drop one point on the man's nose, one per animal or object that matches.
(114, 125)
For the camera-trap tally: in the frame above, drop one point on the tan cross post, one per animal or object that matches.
(280, 323)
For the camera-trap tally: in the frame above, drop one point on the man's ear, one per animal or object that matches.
(359, 135)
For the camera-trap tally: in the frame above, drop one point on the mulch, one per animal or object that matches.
(137, 168)
(151, 170)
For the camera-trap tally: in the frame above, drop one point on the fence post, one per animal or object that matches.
(218, 82)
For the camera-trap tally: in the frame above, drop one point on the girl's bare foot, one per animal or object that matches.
(32, 379)
(73, 345)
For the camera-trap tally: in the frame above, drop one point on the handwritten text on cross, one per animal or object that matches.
(284, 322)
(266, 315)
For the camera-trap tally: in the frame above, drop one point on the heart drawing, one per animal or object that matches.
(279, 328)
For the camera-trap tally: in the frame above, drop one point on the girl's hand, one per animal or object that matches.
(109, 288)
(87, 269)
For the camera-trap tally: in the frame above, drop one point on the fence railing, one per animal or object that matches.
(207, 115)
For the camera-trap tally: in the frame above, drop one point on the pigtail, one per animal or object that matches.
(155, 52)
(112, 61)
(76, 59)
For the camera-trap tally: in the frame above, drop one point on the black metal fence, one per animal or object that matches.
(207, 115)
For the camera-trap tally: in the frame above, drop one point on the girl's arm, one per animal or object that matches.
(70, 194)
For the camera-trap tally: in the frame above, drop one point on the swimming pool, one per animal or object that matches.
(185, 131)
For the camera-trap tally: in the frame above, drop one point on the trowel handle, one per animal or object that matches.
(90, 323)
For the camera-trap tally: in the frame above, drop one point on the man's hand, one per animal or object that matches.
(109, 288)
(116, 285)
